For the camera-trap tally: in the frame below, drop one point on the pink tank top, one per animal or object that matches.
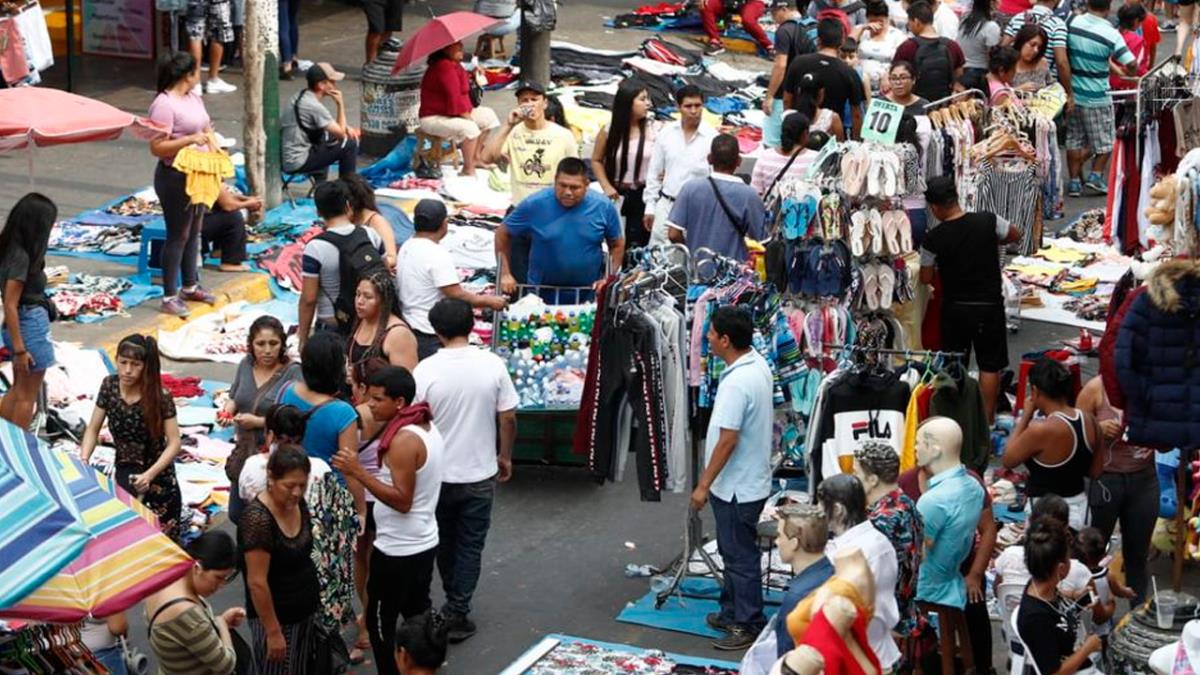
(1121, 456)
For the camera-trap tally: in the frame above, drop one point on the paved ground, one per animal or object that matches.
(557, 550)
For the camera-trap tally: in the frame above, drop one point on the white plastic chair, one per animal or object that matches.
(1008, 598)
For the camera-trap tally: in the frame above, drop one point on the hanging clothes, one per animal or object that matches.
(863, 404)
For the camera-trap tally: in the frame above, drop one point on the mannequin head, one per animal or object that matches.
(876, 466)
(803, 533)
(939, 445)
(844, 501)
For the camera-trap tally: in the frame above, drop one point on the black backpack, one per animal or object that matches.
(935, 65)
(358, 258)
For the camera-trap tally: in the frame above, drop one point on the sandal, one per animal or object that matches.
(358, 654)
(887, 285)
(905, 228)
(875, 227)
(871, 286)
(858, 231)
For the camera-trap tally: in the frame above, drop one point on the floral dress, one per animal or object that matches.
(895, 515)
(136, 451)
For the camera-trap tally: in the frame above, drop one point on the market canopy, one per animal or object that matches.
(44, 117)
(439, 33)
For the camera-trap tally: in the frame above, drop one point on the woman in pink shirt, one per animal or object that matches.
(182, 113)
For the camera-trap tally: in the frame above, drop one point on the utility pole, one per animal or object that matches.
(535, 44)
(260, 58)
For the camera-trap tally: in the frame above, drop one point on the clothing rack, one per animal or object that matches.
(1151, 98)
(909, 353)
(955, 97)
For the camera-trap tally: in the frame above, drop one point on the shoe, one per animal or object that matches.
(198, 294)
(1074, 187)
(287, 75)
(198, 89)
(174, 306)
(1096, 183)
(458, 627)
(714, 48)
(219, 86)
(1166, 27)
(738, 639)
(715, 622)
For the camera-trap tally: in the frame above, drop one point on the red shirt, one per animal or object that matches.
(1150, 32)
(445, 90)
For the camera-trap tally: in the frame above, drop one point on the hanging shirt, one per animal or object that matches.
(950, 510)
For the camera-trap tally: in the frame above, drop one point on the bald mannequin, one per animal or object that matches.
(939, 445)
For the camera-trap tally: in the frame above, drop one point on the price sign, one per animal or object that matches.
(882, 121)
(829, 148)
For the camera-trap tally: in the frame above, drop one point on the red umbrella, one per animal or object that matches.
(439, 33)
(52, 117)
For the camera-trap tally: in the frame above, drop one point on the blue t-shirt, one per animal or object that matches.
(808, 580)
(565, 244)
(949, 510)
(324, 425)
(700, 215)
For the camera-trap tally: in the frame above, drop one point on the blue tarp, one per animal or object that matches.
(686, 615)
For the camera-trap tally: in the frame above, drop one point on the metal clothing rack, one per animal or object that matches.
(895, 352)
(1150, 100)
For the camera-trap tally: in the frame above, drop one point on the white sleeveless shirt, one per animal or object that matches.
(404, 534)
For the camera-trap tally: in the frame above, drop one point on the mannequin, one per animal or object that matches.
(845, 503)
(833, 619)
(800, 661)
(872, 467)
(950, 510)
(1181, 657)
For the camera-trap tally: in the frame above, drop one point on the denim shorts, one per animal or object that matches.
(35, 329)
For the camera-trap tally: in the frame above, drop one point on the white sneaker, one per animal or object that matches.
(304, 64)
(198, 89)
(219, 86)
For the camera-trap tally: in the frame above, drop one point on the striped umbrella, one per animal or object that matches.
(126, 559)
(41, 531)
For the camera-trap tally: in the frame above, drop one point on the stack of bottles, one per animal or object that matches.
(546, 350)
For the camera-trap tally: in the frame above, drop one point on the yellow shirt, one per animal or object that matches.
(800, 617)
(908, 451)
(204, 171)
(533, 157)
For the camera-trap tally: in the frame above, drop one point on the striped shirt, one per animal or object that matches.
(1091, 42)
(768, 166)
(1055, 27)
(189, 644)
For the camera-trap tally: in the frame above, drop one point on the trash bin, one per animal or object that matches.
(388, 101)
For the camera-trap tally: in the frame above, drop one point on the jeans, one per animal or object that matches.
(112, 659)
(289, 30)
(34, 322)
(343, 153)
(1131, 499)
(737, 542)
(919, 220)
(181, 252)
(397, 586)
(428, 344)
(464, 514)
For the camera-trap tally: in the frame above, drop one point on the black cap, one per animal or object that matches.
(781, 4)
(531, 86)
(428, 215)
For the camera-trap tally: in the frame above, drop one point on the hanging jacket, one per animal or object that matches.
(861, 406)
(1117, 308)
(964, 405)
(1158, 359)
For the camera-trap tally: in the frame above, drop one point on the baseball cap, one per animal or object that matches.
(319, 72)
(428, 215)
(781, 4)
(531, 86)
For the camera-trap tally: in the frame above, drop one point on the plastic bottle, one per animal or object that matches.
(632, 570)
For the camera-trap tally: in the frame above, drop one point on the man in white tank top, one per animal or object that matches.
(406, 493)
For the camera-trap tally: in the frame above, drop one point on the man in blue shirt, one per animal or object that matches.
(950, 508)
(567, 226)
(718, 211)
(737, 475)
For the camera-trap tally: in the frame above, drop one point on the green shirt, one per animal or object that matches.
(1091, 42)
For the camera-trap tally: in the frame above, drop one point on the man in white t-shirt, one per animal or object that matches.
(474, 405)
(425, 273)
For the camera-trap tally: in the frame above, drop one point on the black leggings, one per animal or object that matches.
(397, 586)
(1132, 500)
(225, 231)
(184, 222)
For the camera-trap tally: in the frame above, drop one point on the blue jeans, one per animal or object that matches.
(919, 219)
(112, 659)
(289, 30)
(464, 515)
(35, 331)
(737, 542)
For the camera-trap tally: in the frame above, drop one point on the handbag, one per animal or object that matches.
(327, 654)
(246, 443)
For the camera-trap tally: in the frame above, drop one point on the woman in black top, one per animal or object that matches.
(282, 593)
(26, 310)
(1047, 623)
(379, 334)
(141, 419)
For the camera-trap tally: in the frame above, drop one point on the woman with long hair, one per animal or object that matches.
(145, 433)
(366, 213)
(903, 79)
(185, 634)
(977, 35)
(261, 375)
(447, 111)
(621, 156)
(1033, 72)
(276, 541)
(26, 309)
(181, 111)
(809, 97)
(378, 333)
(790, 160)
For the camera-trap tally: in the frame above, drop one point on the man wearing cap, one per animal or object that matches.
(425, 273)
(312, 138)
(531, 144)
(791, 40)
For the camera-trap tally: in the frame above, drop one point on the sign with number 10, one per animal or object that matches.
(882, 121)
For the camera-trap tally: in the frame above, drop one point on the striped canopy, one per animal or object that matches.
(41, 532)
(126, 559)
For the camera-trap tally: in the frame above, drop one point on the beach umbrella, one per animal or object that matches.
(126, 559)
(439, 33)
(40, 530)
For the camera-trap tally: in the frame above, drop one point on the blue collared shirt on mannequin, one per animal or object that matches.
(950, 509)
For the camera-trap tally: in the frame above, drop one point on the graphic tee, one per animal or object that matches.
(533, 157)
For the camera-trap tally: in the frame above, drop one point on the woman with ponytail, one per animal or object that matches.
(141, 419)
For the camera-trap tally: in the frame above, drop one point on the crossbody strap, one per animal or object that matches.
(737, 222)
(167, 604)
(781, 172)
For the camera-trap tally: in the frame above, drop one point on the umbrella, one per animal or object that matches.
(42, 532)
(53, 117)
(126, 559)
(439, 33)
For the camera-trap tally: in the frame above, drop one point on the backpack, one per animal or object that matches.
(805, 43)
(936, 65)
(358, 258)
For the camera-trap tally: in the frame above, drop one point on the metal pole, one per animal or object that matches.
(534, 58)
(70, 9)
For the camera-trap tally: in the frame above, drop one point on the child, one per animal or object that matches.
(1092, 550)
(848, 52)
(1130, 19)
(1002, 67)
(285, 424)
(1151, 33)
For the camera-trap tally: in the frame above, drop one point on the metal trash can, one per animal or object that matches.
(388, 101)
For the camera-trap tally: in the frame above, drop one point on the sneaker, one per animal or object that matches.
(715, 622)
(714, 48)
(302, 64)
(1074, 187)
(738, 639)
(458, 627)
(174, 306)
(198, 89)
(219, 86)
(198, 294)
(1166, 27)
(1096, 183)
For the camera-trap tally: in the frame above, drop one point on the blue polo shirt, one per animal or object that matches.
(808, 580)
(949, 509)
(743, 404)
(565, 244)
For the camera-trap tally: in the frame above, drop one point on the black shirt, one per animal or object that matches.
(791, 39)
(16, 265)
(292, 576)
(1048, 630)
(840, 81)
(966, 252)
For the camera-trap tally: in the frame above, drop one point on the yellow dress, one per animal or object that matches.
(800, 617)
(205, 170)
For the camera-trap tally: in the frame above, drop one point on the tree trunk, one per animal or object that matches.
(260, 60)
(534, 58)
